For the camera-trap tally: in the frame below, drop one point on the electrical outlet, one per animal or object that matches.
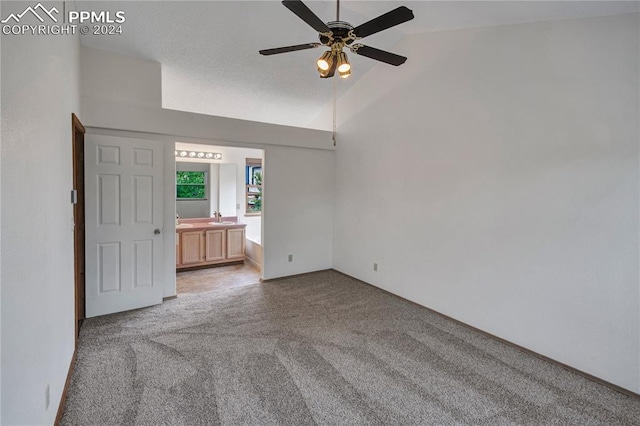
(375, 267)
(46, 397)
(290, 258)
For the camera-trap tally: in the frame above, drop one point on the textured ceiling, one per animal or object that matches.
(209, 49)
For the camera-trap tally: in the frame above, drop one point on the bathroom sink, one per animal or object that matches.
(222, 223)
(184, 225)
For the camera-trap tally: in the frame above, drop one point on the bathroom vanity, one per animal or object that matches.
(203, 241)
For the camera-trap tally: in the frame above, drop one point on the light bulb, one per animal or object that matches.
(183, 154)
(345, 74)
(325, 61)
(343, 63)
(192, 154)
(200, 154)
(209, 155)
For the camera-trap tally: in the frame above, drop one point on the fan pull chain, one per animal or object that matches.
(335, 107)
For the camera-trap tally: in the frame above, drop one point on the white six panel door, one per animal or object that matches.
(123, 185)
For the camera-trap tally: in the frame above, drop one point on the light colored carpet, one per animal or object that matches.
(317, 349)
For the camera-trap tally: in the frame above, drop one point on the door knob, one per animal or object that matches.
(156, 231)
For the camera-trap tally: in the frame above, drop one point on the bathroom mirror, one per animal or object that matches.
(220, 190)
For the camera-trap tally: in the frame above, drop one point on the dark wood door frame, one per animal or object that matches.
(78, 131)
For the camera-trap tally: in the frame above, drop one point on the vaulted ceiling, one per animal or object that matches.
(209, 49)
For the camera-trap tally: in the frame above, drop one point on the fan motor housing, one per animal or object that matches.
(340, 30)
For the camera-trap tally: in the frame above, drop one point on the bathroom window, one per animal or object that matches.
(253, 174)
(191, 185)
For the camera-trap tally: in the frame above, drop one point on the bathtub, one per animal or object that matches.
(253, 249)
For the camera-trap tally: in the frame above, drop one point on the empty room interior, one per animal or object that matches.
(320, 212)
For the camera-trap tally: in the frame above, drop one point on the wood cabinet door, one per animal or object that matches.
(235, 243)
(192, 247)
(215, 245)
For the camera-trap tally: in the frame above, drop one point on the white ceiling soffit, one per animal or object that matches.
(209, 49)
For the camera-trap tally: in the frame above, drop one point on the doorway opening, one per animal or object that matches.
(77, 132)
(218, 217)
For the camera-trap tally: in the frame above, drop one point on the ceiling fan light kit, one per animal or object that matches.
(337, 35)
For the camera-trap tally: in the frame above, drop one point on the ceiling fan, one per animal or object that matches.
(338, 34)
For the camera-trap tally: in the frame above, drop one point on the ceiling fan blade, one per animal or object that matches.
(380, 55)
(286, 49)
(382, 22)
(304, 13)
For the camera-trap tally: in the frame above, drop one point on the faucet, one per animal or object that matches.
(177, 219)
(217, 216)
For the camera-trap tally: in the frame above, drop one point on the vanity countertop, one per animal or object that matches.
(207, 223)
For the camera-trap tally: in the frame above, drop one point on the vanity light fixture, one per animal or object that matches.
(199, 154)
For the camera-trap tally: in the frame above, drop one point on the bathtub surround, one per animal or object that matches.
(254, 251)
(317, 349)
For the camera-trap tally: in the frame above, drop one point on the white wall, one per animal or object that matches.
(40, 90)
(214, 172)
(109, 114)
(228, 188)
(298, 210)
(106, 75)
(494, 178)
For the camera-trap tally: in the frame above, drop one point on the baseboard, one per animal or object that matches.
(63, 398)
(508, 343)
(301, 275)
(214, 265)
(254, 263)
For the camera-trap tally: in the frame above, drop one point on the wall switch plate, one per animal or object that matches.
(290, 258)
(46, 397)
(375, 267)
